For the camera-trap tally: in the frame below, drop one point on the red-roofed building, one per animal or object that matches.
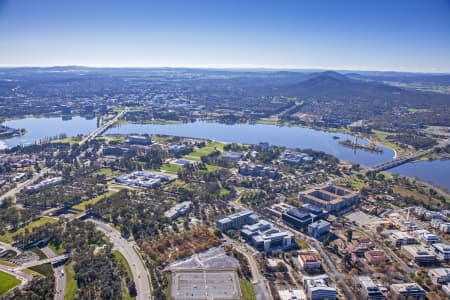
(309, 261)
(375, 257)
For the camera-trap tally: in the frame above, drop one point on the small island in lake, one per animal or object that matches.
(8, 132)
(355, 145)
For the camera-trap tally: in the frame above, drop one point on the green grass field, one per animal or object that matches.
(9, 236)
(7, 282)
(205, 151)
(58, 251)
(171, 168)
(39, 253)
(108, 172)
(71, 283)
(45, 269)
(82, 206)
(302, 244)
(223, 192)
(381, 136)
(247, 290)
(124, 262)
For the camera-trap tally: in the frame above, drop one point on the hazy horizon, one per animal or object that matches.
(401, 36)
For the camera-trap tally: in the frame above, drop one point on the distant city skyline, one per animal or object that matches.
(404, 36)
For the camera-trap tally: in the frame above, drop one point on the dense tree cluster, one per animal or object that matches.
(180, 245)
(72, 191)
(98, 275)
(140, 215)
(418, 141)
(40, 288)
(12, 217)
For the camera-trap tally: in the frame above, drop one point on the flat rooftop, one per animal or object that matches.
(328, 194)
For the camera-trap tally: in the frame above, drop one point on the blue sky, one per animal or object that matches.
(400, 35)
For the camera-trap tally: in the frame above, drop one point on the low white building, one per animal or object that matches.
(318, 288)
(439, 275)
(400, 238)
(427, 237)
(442, 251)
(296, 294)
(178, 210)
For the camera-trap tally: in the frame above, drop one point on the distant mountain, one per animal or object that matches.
(334, 85)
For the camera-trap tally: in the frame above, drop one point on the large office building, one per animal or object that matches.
(264, 236)
(253, 170)
(407, 291)
(236, 221)
(368, 289)
(319, 229)
(427, 237)
(140, 139)
(442, 251)
(401, 238)
(232, 156)
(439, 275)
(300, 217)
(331, 198)
(419, 254)
(318, 288)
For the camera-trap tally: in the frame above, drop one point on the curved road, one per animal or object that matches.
(126, 248)
(259, 282)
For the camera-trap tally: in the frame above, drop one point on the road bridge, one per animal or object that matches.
(100, 130)
(398, 161)
(35, 263)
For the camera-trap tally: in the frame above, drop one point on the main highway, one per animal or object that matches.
(126, 248)
(60, 276)
(11, 193)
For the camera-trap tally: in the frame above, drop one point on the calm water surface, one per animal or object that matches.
(43, 128)
(436, 172)
(293, 137)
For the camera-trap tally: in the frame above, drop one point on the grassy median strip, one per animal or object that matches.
(7, 282)
(71, 283)
(247, 290)
(128, 272)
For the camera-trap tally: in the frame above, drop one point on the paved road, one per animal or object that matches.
(6, 246)
(126, 248)
(104, 127)
(60, 276)
(259, 281)
(42, 262)
(22, 185)
(333, 272)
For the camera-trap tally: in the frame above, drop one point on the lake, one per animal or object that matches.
(38, 129)
(436, 172)
(292, 137)
(43, 128)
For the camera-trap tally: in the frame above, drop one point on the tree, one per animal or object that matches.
(347, 259)
(349, 235)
